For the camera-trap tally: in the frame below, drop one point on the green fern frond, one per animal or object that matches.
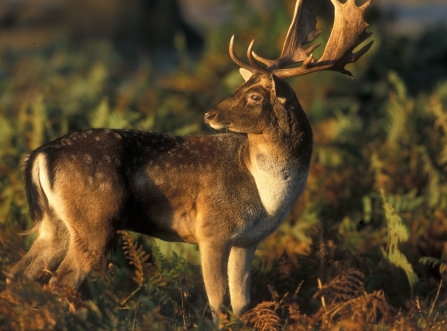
(398, 85)
(100, 116)
(430, 261)
(181, 273)
(121, 120)
(349, 125)
(437, 184)
(147, 123)
(433, 262)
(397, 233)
(436, 109)
(409, 202)
(329, 156)
(440, 114)
(397, 110)
(159, 259)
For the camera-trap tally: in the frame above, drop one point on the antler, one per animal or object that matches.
(348, 32)
(302, 30)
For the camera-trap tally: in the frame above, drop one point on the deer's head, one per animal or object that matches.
(250, 108)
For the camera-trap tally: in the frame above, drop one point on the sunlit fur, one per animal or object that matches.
(224, 192)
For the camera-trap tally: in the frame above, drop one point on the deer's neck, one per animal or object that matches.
(279, 159)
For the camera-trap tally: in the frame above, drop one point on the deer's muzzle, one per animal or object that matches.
(209, 116)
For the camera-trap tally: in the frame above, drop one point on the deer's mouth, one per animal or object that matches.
(218, 126)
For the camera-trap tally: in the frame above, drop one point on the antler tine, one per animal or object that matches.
(302, 30)
(237, 60)
(252, 61)
(348, 32)
(253, 66)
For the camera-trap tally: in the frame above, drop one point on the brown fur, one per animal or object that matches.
(223, 192)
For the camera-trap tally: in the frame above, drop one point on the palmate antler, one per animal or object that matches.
(348, 32)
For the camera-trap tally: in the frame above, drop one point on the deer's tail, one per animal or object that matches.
(36, 173)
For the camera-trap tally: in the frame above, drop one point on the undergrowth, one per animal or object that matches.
(153, 292)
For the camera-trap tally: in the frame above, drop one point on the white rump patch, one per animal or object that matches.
(40, 178)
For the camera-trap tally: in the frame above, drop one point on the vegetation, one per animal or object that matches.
(361, 250)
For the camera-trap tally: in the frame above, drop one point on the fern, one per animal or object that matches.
(409, 202)
(121, 120)
(433, 261)
(146, 123)
(263, 317)
(100, 116)
(329, 156)
(436, 109)
(137, 256)
(361, 310)
(397, 233)
(176, 270)
(437, 186)
(103, 116)
(397, 111)
(159, 259)
(349, 126)
(343, 287)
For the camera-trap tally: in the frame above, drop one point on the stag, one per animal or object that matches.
(223, 192)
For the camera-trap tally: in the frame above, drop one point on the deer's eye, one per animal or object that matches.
(255, 97)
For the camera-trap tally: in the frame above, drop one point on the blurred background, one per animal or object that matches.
(161, 64)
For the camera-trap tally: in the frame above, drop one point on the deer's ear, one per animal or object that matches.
(281, 89)
(245, 73)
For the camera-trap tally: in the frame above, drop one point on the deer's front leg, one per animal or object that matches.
(214, 258)
(239, 275)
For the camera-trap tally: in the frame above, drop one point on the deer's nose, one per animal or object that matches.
(209, 116)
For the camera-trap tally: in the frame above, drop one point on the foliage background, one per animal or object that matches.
(349, 255)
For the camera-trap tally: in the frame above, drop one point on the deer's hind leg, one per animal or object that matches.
(47, 251)
(92, 219)
(85, 251)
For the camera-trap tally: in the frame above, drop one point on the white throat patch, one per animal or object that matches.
(279, 187)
